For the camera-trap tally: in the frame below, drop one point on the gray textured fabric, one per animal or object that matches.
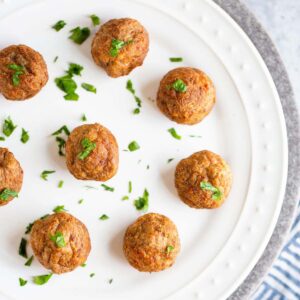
(239, 12)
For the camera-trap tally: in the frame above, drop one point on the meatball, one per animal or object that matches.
(151, 243)
(60, 242)
(23, 72)
(11, 176)
(186, 95)
(203, 180)
(92, 153)
(120, 45)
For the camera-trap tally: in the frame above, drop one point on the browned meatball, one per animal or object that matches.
(151, 243)
(92, 153)
(120, 45)
(186, 95)
(203, 180)
(23, 72)
(11, 176)
(60, 242)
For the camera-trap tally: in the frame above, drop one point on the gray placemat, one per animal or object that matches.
(247, 21)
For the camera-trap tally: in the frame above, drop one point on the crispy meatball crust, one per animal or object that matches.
(188, 107)
(203, 166)
(102, 163)
(11, 174)
(146, 243)
(77, 242)
(35, 74)
(130, 56)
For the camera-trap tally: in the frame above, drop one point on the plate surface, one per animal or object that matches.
(219, 247)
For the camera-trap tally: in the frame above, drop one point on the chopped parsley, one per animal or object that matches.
(62, 129)
(42, 279)
(88, 147)
(170, 160)
(92, 275)
(83, 118)
(129, 87)
(29, 261)
(88, 87)
(95, 20)
(142, 203)
(58, 239)
(116, 46)
(79, 35)
(129, 187)
(216, 193)
(174, 134)
(22, 248)
(83, 265)
(24, 136)
(2, 138)
(59, 25)
(104, 217)
(125, 198)
(59, 208)
(6, 193)
(74, 69)
(178, 85)
(133, 146)
(60, 184)
(107, 188)
(55, 59)
(110, 280)
(22, 281)
(61, 142)
(169, 249)
(80, 201)
(44, 174)
(18, 70)
(8, 127)
(176, 59)
(28, 228)
(67, 85)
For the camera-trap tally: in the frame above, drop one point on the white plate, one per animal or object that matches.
(219, 247)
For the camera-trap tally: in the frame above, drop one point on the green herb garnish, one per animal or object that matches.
(22, 248)
(178, 85)
(19, 70)
(55, 59)
(67, 85)
(44, 174)
(133, 146)
(169, 249)
(8, 127)
(80, 201)
(42, 279)
(88, 147)
(129, 187)
(176, 59)
(116, 46)
(29, 261)
(59, 208)
(79, 35)
(83, 118)
(88, 87)
(24, 136)
(60, 184)
(125, 198)
(142, 203)
(107, 188)
(104, 217)
(58, 239)
(2, 138)
(129, 87)
(174, 134)
(62, 129)
(83, 265)
(92, 275)
(6, 193)
(110, 281)
(216, 193)
(170, 160)
(22, 281)
(95, 19)
(74, 69)
(59, 25)
(61, 142)
(28, 228)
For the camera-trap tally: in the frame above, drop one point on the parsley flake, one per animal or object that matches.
(116, 46)
(107, 188)
(170, 160)
(60, 184)
(178, 85)
(18, 70)
(80, 201)
(104, 217)
(8, 127)
(61, 142)
(216, 193)
(142, 203)
(92, 275)
(22, 281)
(129, 187)
(88, 87)
(58, 239)
(176, 59)
(24, 136)
(59, 25)
(129, 87)
(133, 146)
(67, 85)
(22, 248)
(125, 198)
(44, 174)
(169, 249)
(29, 261)
(88, 147)
(42, 279)
(2, 138)
(110, 280)
(174, 134)
(59, 208)
(95, 20)
(83, 118)
(79, 35)
(7, 193)
(62, 129)
(74, 69)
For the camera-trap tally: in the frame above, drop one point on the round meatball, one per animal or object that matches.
(23, 72)
(203, 180)
(151, 243)
(60, 242)
(120, 45)
(92, 153)
(186, 95)
(11, 176)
